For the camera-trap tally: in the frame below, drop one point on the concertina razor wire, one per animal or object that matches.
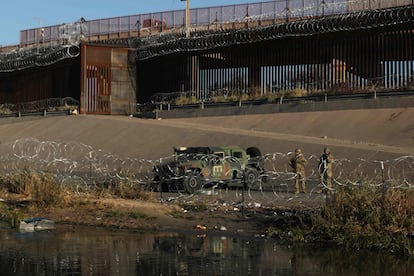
(80, 167)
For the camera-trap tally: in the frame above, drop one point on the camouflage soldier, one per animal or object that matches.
(325, 169)
(298, 164)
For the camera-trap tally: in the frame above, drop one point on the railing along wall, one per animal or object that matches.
(364, 51)
(134, 25)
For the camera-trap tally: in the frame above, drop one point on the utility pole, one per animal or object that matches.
(40, 34)
(187, 18)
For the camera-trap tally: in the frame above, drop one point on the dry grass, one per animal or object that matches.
(41, 188)
(298, 92)
(234, 97)
(5, 110)
(42, 191)
(183, 100)
(125, 188)
(356, 217)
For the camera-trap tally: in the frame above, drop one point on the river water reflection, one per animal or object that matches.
(96, 251)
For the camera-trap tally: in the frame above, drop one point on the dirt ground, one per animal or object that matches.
(370, 134)
(151, 215)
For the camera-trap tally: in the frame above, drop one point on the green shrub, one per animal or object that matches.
(10, 215)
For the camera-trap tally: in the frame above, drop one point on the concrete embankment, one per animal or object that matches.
(373, 133)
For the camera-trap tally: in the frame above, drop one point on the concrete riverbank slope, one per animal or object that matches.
(374, 133)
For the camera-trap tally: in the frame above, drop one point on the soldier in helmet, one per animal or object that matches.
(298, 164)
(325, 169)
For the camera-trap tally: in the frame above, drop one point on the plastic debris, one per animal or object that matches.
(200, 227)
(221, 228)
(36, 224)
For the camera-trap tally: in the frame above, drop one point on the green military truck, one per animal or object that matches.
(193, 168)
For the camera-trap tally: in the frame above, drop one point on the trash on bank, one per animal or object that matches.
(36, 224)
(208, 192)
(200, 227)
(221, 228)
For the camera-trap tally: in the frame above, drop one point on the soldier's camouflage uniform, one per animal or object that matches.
(298, 164)
(325, 169)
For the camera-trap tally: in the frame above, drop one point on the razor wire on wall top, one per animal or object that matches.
(162, 44)
(268, 10)
(80, 166)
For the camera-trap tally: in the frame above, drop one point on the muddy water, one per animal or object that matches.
(95, 251)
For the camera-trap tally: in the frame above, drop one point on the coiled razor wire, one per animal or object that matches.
(163, 44)
(80, 167)
(206, 39)
(25, 58)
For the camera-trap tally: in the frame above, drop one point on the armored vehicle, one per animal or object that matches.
(192, 168)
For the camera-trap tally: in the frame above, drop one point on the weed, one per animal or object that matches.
(114, 214)
(124, 188)
(366, 217)
(195, 206)
(359, 217)
(176, 214)
(10, 215)
(42, 188)
(137, 215)
(293, 93)
(182, 100)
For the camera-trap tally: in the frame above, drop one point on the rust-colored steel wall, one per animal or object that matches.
(108, 80)
(56, 81)
(95, 80)
(123, 81)
(379, 59)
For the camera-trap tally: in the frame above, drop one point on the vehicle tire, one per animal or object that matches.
(251, 177)
(192, 183)
(253, 152)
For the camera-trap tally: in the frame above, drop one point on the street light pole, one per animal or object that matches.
(187, 18)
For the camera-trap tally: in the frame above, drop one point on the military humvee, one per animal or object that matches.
(192, 168)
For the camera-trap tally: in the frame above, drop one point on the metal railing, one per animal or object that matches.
(386, 84)
(168, 104)
(248, 96)
(46, 107)
(161, 21)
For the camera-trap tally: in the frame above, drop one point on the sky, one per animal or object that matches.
(29, 14)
